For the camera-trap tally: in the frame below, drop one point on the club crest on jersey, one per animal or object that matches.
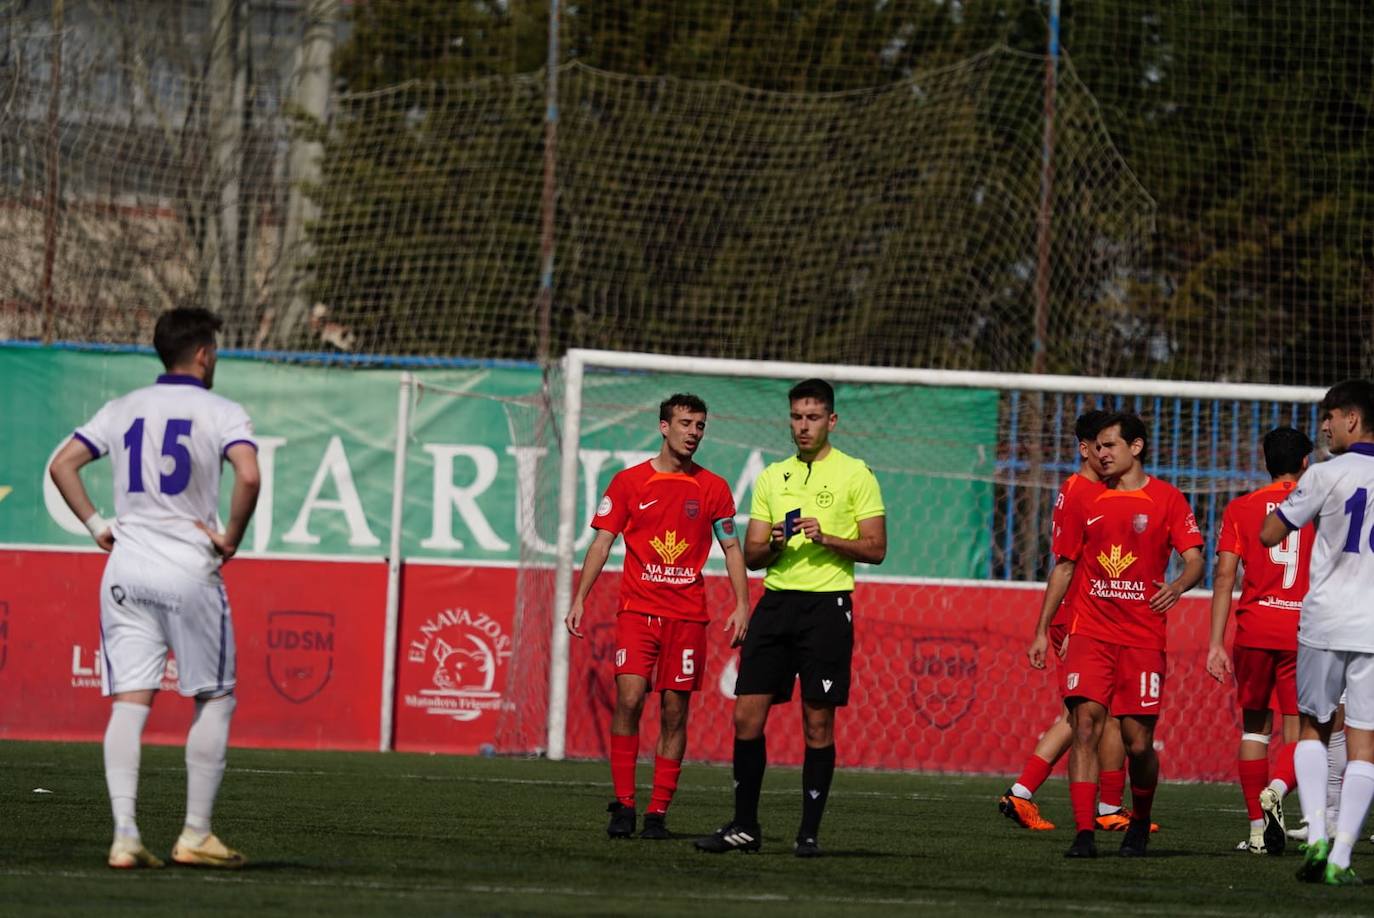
(604, 507)
(460, 652)
(944, 673)
(1140, 522)
(300, 653)
(692, 508)
(825, 499)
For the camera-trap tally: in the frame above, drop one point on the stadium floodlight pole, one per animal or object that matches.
(549, 204)
(1029, 520)
(54, 159)
(393, 561)
(1045, 219)
(563, 569)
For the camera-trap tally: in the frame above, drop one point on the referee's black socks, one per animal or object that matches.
(751, 759)
(818, 768)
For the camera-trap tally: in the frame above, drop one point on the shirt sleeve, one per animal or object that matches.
(1229, 539)
(1067, 540)
(724, 503)
(867, 497)
(236, 428)
(1061, 502)
(1305, 501)
(758, 504)
(614, 509)
(1183, 529)
(96, 434)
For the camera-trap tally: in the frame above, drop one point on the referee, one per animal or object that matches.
(813, 515)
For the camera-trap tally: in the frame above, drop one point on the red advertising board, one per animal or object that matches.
(309, 637)
(941, 683)
(453, 653)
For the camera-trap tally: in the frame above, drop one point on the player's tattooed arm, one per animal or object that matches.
(738, 622)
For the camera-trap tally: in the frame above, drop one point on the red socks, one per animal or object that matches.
(1254, 776)
(1034, 774)
(1283, 766)
(1142, 800)
(1083, 796)
(624, 751)
(1113, 785)
(666, 773)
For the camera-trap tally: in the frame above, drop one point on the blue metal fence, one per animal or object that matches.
(1208, 448)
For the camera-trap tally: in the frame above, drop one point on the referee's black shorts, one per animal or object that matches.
(796, 634)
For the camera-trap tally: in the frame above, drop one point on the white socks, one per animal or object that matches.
(1335, 769)
(1356, 793)
(1309, 761)
(205, 745)
(123, 748)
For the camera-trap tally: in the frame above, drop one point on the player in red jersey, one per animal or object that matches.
(1018, 802)
(1266, 644)
(1122, 539)
(667, 508)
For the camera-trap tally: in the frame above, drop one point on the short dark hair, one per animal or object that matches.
(1088, 425)
(1356, 394)
(180, 331)
(1132, 429)
(679, 400)
(1284, 450)
(818, 389)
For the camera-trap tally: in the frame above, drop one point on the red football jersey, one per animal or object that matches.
(667, 520)
(1274, 580)
(1075, 488)
(1122, 540)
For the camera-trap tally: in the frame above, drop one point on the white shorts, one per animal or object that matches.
(1327, 678)
(147, 609)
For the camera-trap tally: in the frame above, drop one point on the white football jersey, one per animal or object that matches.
(1338, 611)
(167, 442)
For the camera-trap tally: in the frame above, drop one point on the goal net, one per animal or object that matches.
(969, 465)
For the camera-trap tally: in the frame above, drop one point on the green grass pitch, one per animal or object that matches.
(356, 834)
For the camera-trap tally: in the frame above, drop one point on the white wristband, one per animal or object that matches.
(96, 524)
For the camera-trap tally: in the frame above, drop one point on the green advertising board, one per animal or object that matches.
(327, 438)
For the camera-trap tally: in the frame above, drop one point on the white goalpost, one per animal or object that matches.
(1029, 411)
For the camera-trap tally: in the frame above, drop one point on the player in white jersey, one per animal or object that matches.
(1336, 627)
(161, 589)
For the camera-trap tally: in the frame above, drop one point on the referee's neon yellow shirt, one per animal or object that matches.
(838, 490)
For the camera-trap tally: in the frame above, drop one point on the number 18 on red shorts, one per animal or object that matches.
(1126, 680)
(669, 652)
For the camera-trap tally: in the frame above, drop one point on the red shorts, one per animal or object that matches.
(1129, 681)
(1057, 635)
(1259, 671)
(669, 652)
